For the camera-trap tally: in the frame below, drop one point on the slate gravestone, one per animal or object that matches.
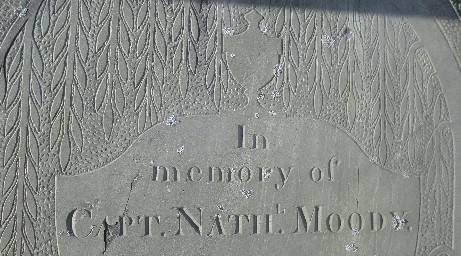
(230, 128)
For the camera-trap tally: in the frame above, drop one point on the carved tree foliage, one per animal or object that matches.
(20, 153)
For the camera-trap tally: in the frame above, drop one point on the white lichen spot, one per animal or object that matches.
(221, 208)
(398, 222)
(180, 150)
(355, 231)
(261, 96)
(256, 115)
(172, 120)
(228, 31)
(232, 55)
(21, 11)
(272, 112)
(65, 232)
(266, 173)
(278, 69)
(96, 204)
(352, 247)
(328, 41)
(374, 159)
(247, 193)
(264, 27)
(2, 115)
(88, 205)
(91, 205)
(275, 93)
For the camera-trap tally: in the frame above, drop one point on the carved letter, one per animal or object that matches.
(157, 172)
(219, 226)
(284, 176)
(242, 176)
(240, 136)
(332, 225)
(239, 222)
(301, 217)
(148, 224)
(191, 174)
(259, 141)
(221, 174)
(269, 223)
(355, 221)
(377, 221)
(78, 214)
(334, 162)
(125, 222)
(316, 174)
(196, 225)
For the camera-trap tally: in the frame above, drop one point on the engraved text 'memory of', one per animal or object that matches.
(245, 173)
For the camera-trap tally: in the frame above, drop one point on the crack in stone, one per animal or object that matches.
(132, 185)
(110, 233)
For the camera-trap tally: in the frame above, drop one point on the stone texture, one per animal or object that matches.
(324, 117)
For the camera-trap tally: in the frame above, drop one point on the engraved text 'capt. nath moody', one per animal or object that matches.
(199, 221)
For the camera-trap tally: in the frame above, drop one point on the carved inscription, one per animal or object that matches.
(314, 195)
(244, 174)
(82, 81)
(247, 140)
(306, 220)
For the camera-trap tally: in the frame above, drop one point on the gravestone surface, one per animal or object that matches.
(169, 127)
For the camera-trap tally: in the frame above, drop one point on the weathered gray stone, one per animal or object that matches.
(230, 128)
